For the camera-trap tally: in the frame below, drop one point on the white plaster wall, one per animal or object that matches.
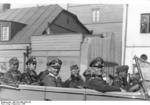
(136, 43)
(131, 52)
(134, 37)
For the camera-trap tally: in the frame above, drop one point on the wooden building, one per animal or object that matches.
(18, 25)
(49, 31)
(74, 49)
(101, 18)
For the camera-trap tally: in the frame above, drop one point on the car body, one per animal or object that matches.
(33, 92)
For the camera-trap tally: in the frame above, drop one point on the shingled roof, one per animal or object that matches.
(36, 20)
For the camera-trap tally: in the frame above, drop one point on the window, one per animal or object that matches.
(4, 33)
(95, 15)
(145, 23)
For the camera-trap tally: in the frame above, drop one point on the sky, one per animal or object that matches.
(63, 3)
(17, 5)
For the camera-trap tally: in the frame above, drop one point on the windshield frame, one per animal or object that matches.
(142, 80)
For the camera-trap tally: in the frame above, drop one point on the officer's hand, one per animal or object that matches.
(80, 87)
(123, 90)
(134, 88)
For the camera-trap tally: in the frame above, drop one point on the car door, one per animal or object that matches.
(113, 96)
(68, 94)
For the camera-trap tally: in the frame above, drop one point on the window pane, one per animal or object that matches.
(4, 33)
(145, 23)
(93, 15)
(98, 15)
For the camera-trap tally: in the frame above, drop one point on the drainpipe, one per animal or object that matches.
(124, 32)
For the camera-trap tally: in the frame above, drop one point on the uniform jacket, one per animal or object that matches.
(100, 85)
(74, 82)
(13, 75)
(50, 80)
(29, 77)
(120, 82)
(43, 74)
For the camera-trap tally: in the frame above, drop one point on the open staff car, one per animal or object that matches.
(32, 92)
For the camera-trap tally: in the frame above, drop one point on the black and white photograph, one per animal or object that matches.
(74, 51)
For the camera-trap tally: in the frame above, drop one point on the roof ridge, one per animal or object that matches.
(39, 17)
(29, 7)
(53, 9)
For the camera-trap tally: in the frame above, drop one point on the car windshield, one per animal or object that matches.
(144, 71)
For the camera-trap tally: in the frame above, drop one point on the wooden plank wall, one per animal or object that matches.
(65, 47)
(56, 42)
(5, 56)
(9, 51)
(103, 47)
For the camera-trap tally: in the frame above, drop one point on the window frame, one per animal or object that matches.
(148, 23)
(4, 32)
(96, 15)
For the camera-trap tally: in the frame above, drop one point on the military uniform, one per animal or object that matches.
(13, 75)
(96, 81)
(134, 83)
(120, 81)
(29, 76)
(74, 81)
(100, 85)
(43, 74)
(1, 75)
(88, 73)
(46, 72)
(49, 78)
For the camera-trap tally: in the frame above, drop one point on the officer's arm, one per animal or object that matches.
(49, 82)
(8, 76)
(107, 88)
(66, 83)
(104, 87)
(134, 88)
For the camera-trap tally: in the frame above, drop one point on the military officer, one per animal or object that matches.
(90, 71)
(46, 72)
(51, 78)
(134, 83)
(96, 81)
(88, 74)
(121, 79)
(30, 76)
(13, 74)
(43, 74)
(144, 57)
(75, 80)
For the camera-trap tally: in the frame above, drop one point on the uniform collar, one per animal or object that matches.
(53, 75)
